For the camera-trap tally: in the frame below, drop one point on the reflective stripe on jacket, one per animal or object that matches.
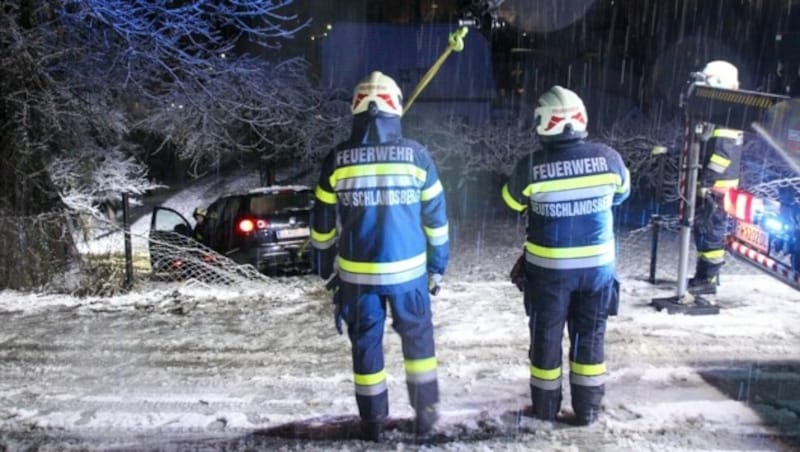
(381, 208)
(568, 191)
(722, 155)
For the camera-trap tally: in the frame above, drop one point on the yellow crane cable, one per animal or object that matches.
(454, 43)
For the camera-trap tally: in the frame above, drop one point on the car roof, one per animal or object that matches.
(267, 190)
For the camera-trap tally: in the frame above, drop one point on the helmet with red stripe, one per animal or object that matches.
(381, 90)
(560, 115)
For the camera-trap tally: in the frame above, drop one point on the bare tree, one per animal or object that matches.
(465, 150)
(636, 137)
(78, 77)
(257, 111)
(469, 154)
(201, 79)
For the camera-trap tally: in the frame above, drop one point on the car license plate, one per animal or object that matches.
(752, 235)
(292, 233)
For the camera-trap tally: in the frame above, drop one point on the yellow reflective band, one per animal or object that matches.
(569, 252)
(370, 379)
(720, 160)
(431, 192)
(734, 97)
(546, 374)
(322, 236)
(378, 169)
(712, 254)
(587, 370)
(375, 268)
(510, 201)
(658, 150)
(436, 232)
(626, 184)
(324, 195)
(572, 183)
(727, 133)
(726, 183)
(419, 366)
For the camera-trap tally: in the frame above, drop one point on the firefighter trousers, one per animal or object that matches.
(365, 315)
(710, 229)
(582, 299)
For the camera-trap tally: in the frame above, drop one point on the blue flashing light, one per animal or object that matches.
(773, 224)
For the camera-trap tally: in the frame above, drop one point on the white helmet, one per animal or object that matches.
(381, 89)
(721, 74)
(560, 115)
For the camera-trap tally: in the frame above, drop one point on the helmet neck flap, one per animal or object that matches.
(369, 128)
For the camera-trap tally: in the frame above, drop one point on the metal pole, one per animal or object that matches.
(127, 232)
(687, 220)
(655, 221)
(660, 153)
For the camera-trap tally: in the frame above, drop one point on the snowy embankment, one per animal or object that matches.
(188, 366)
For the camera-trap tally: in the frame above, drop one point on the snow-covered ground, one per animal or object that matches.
(186, 366)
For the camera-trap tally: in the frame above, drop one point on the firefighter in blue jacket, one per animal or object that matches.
(380, 226)
(568, 189)
(721, 154)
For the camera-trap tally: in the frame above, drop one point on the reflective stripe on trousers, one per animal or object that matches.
(365, 314)
(579, 299)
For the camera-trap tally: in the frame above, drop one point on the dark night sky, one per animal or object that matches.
(656, 43)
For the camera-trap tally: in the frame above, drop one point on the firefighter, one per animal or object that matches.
(721, 152)
(568, 189)
(380, 226)
(199, 215)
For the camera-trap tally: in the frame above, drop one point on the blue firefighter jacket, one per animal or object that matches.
(391, 227)
(568, 190)
(722, 155)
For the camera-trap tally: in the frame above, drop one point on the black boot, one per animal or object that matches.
(425, 420)
(705, 279)
(546, 404)
(586, 402)
(703, 286)
(372, 430)
(586, 417)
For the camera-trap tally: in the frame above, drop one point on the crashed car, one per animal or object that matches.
(267, 228)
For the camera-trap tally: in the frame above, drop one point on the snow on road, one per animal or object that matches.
(186, 366)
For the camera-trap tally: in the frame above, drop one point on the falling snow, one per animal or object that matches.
(190, 366)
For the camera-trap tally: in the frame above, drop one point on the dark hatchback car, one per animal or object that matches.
(265, 227)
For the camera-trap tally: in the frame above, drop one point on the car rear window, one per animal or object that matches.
(276, 202)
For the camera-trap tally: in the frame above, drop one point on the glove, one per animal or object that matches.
(332, 284)
(710, 195)
(704, 215)
(518, 273)
(433, 283)
(338, 318)
(613, 302)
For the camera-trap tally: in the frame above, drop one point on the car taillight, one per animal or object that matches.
(248, 225)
